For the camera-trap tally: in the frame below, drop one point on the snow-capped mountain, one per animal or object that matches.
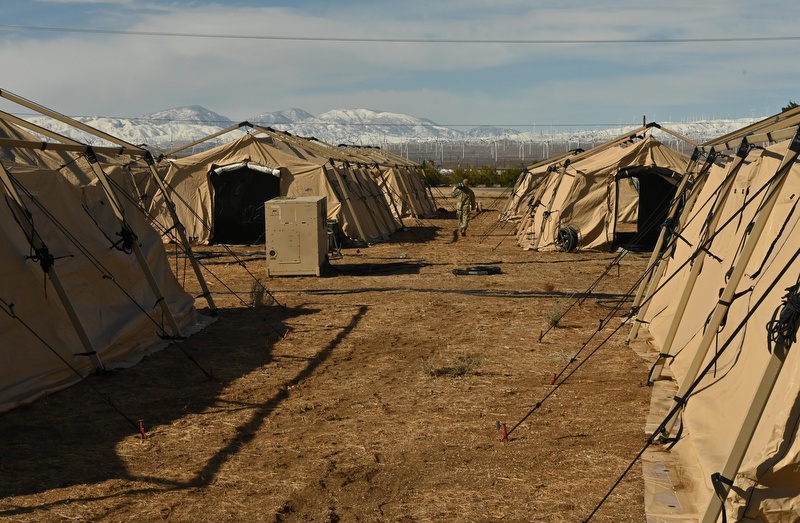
(163, 130)
(488, 131)
(359, 126)
(193, 114)
(287, 116)
(172, 128)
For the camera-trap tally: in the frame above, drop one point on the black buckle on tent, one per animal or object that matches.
(126, 242)
(705, 249)
(719, 481)
(664, 439)
(735, 297)
(684, 240)
(676, 439)
(45, 259)
(662, 357)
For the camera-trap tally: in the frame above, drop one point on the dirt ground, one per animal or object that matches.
(381, 403)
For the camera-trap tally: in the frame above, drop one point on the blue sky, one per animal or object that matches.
(507, 63)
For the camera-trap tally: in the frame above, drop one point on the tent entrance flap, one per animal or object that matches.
(654, 189)
(239, 196)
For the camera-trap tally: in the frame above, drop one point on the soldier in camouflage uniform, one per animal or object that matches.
(465, 202)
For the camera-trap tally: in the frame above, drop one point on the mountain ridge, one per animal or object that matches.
(182, 125)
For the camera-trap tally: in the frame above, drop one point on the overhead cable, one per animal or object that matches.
(354, 39)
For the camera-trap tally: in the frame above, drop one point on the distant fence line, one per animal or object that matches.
(502, 153)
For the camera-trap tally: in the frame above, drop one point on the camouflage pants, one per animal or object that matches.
(462, 213)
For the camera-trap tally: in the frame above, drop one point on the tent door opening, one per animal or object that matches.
(239, 196)
(637, 224)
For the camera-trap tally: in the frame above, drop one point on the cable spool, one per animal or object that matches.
(567, 238)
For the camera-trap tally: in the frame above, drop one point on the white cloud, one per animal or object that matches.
(129, 75)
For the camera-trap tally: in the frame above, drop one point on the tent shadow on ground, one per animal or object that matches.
(443, 214)
(415, 234)
(569, 258)
(71, 437)
(386, 268)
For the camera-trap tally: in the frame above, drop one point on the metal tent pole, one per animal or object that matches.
(23, 216)
(69, 144)
(119, 212)
(697, 266)
(725, 299)
(656, 261)
(745, 436)
(724, 480)
(187, 247)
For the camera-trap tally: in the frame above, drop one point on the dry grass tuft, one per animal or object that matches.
(462, 365)
(259, 297)
(557, 310)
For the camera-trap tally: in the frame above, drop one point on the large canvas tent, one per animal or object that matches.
(725, 382)
(400, 180)
(590, 194)
(523, 194)
(215, 189)
(42, 351)
(86, 285)
(367, 203)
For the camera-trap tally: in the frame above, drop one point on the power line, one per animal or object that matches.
(347, 39)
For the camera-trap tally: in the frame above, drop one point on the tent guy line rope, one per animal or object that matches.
(684, 394)
(557, 381)
(230, 252)
(586, 293)
(615, 262)
(8, 308)
(705, 245)
(105, 273)
(631, 314)
(164, 231)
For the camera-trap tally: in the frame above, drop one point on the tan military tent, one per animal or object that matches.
(400, 180)
(589, 195)
(367, 203)
(40, 349)
(85, 284)
(526, 187)
(726, 388)
(219, 193)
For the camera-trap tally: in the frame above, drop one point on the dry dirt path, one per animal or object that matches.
(379, 405)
